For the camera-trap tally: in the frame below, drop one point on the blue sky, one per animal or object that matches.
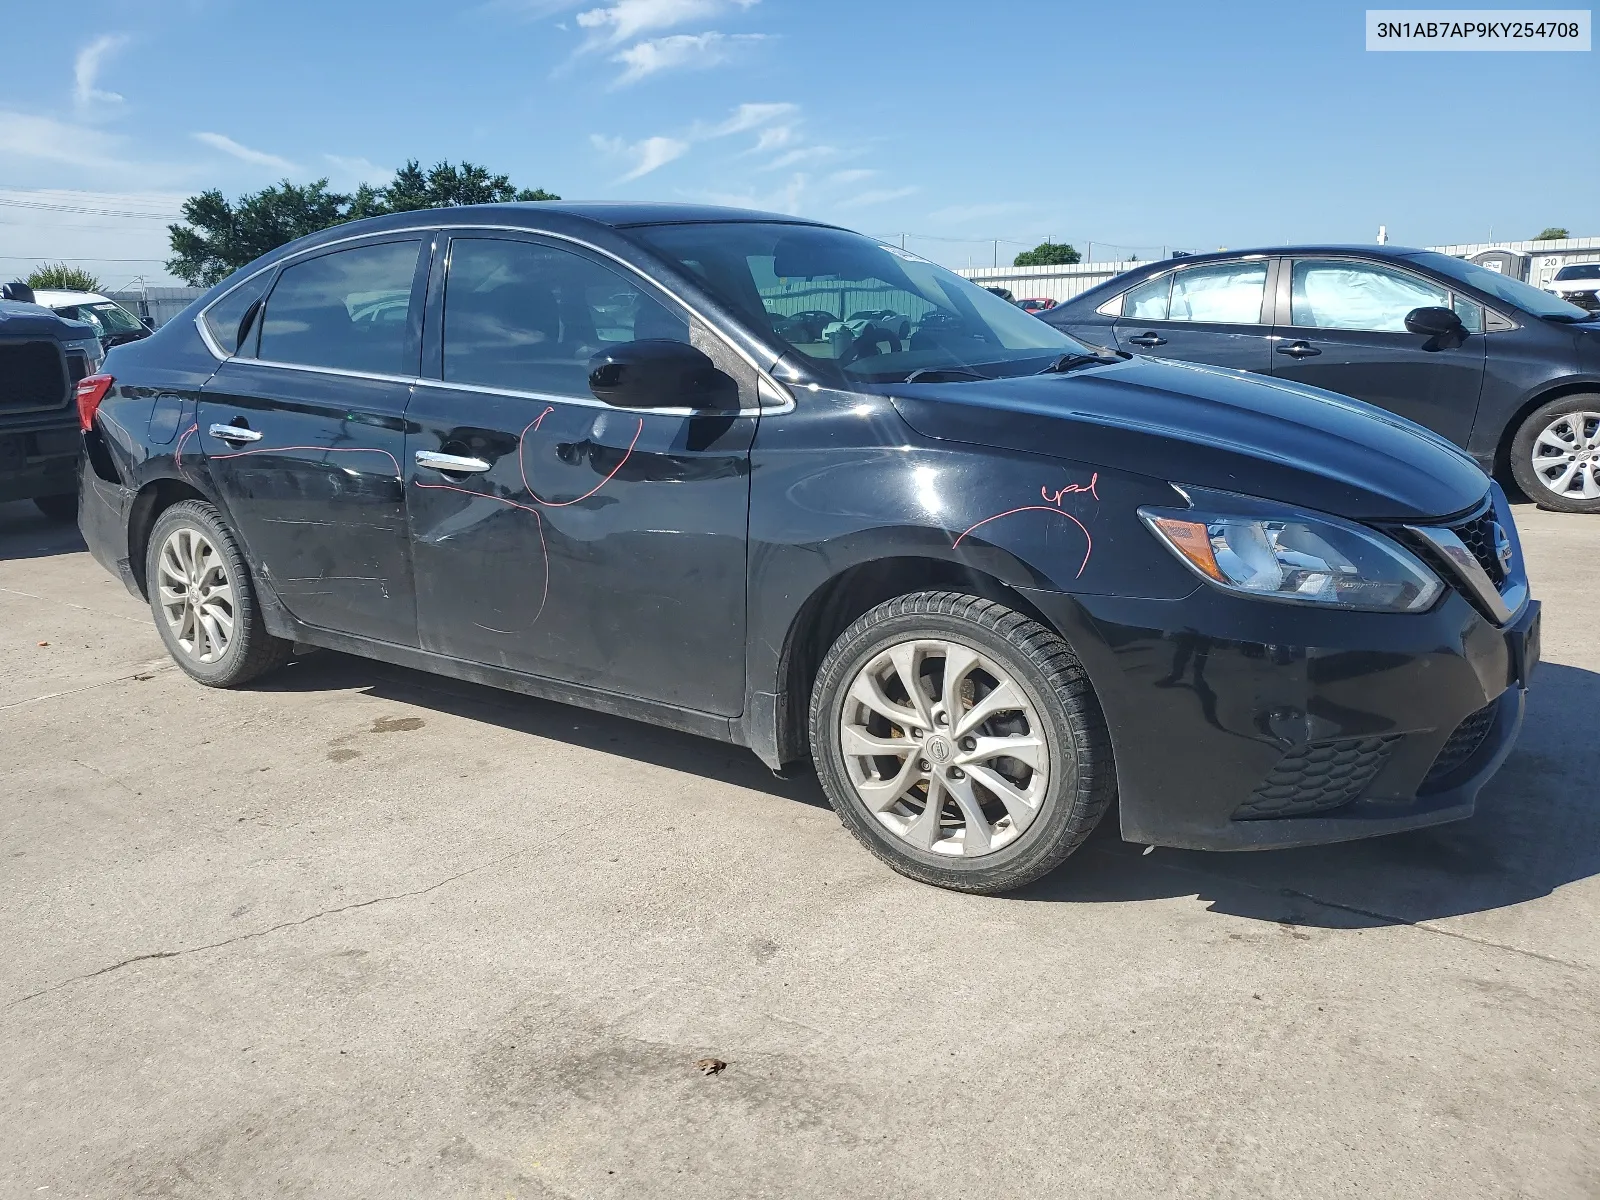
(1129, 126)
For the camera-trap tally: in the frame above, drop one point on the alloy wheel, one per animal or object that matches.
(1566, 456)
(196, 595)
(944, 748)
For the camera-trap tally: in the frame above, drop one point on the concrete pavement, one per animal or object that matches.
(362, 932)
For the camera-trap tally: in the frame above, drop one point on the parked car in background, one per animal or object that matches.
(985, 578)
(1578, 283)
(1497, 366)
(1036, 305)
(112, 323)
(42, 358)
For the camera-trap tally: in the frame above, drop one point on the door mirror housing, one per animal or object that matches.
(1435, 321)
(660, 373)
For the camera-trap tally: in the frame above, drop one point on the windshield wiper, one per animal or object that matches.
(947, 375)
(1078, 359)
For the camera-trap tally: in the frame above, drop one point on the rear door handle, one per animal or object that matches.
(235, 433)
(1148, 339)
(452, 463)
(1299, 350)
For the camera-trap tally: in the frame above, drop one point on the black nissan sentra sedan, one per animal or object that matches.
(986, 578)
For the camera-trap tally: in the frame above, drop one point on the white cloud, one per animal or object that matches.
(354, 170)
(260, 158)
(856, 175)
(785, 199)
(876, 196)
(802, 154)
(647, 155)
(627, 19)
(695, 51)
(752, 116)
(56, 141)
(86, 71)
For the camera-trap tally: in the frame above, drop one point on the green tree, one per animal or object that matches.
(1047, 254)
(1552, 233)
(219, 237)
(58, 277)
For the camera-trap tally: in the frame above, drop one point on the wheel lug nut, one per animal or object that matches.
(940, 719)
(922, 765)
(957, 773)
(969, 744)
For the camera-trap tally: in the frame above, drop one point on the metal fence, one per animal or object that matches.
(161, 304)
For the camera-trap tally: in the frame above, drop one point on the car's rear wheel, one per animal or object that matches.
(204, 601)
(1555, 456)
(960, 741)
(58, 508)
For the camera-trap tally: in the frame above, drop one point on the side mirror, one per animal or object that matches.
(148, 322)
(1435, 321)
(659, 373)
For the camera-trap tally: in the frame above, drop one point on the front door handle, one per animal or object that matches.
(1148, 339)
(454, 464)
(235, 433)
(1299, 350)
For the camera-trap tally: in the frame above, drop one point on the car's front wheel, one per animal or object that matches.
(204, 600)
(960, 741)
(1555, 455)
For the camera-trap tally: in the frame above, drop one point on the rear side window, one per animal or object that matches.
(348, 310)
(1149, 300)
(222, 318)
(1228, 293)
(528, 318)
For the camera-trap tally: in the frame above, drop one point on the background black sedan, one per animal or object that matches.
(1507, 371)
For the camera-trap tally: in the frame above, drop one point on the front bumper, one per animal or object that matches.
(1247, 725)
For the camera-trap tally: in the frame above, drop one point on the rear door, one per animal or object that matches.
(1214, 313)
(303, 431)
(1342, 326)
(557, 535)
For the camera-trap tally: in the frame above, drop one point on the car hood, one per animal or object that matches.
(1216, 428)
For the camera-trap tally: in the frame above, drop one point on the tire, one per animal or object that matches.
(1053, 812)
(247, 651)
(61, 508)
(1548, 430)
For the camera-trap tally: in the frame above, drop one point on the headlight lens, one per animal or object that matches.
(92, 350)
(1280, 553)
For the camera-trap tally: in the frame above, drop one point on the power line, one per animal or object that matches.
(93, 212)
(83, 258)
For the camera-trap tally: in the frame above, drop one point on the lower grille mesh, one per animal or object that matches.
(1317, 778)
(1462, 745)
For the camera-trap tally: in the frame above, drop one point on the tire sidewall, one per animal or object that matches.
(202, 517)
(1522, 452)
(1041, 840)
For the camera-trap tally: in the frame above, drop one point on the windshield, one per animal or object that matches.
(1525, 296)
(855, 309)
(106, 317)
(1580, 271)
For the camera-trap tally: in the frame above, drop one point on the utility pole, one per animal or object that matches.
(902, 241)
(997, 252)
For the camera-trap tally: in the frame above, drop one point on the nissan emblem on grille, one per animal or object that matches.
(1502, 548)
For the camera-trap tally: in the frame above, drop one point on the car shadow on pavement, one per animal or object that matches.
(25, 532)
(1537, 828)
(330, 671)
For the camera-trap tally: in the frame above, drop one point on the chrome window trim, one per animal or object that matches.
(580, 401)
(763, 375)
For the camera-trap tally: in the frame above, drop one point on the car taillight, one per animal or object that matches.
(91, 390)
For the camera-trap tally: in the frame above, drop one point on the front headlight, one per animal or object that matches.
(91, 350)
(1274, 552)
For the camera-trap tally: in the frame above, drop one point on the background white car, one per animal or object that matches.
(1578, 283)
(112, 323)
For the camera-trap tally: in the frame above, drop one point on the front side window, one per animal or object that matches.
(347, 310)
(1336, 294)
(528, 317)
(855, 309)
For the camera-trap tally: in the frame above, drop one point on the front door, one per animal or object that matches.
(1212, 313)
(1342, 326)
(554, 534)
(302, 434)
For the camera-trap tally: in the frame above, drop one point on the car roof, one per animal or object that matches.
(1141, 270)
(49, 297)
